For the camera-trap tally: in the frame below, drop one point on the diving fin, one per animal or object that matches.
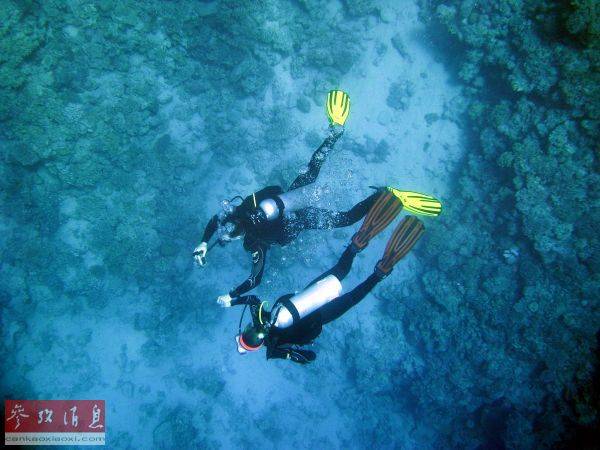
(338, 107)
(417, 203)
(382, 213)
(403, 239)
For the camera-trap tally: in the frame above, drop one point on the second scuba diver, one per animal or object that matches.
(296, 320)
(272, 216)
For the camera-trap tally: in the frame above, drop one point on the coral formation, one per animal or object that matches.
(400, 94)
(532, 162)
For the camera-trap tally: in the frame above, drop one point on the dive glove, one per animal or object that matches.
(224, 300)
(200, 254)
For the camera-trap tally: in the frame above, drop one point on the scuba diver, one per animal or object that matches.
(296, 320)
(274, 216)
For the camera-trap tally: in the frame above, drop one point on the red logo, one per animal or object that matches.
(43, 422)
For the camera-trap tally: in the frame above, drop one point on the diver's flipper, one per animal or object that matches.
(403, 239)
(417, 203)
(338, 107)
(384, 210)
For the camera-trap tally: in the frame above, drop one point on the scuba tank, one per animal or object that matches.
(307, 301)
(271, 209)
(268, 210)
(299, 198)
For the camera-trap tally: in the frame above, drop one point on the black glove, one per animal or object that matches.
(301, 356)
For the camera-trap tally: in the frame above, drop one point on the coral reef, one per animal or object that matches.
(519, 270)
(400, 94)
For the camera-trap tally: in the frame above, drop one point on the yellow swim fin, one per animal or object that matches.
(418, 203)
(338, 107)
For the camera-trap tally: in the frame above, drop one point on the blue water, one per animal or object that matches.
(124, 124)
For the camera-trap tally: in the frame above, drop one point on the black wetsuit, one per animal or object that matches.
(280, 342)
(284, 229)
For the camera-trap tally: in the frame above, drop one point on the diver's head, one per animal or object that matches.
(229, 205)
(252, 339)
(230, 226)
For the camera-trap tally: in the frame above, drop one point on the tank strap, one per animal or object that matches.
(279, 204)
(291, 308)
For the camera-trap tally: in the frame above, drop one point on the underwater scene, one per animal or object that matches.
(308, 224)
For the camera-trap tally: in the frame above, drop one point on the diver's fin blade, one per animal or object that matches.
(417, 203)
(403, 239)
(382, 213)
(337, 107)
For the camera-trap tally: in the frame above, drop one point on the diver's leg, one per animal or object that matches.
(342, 267)
(340, 305)
(315, 218)
(316, 161)
(312, 218)
(314, 167)
(357, 212)
(403, 239)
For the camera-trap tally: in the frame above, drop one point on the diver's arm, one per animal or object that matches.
(210, 229)
(201, 250)
(258, 265)
(251, 300)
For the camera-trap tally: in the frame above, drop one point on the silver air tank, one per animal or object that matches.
(269, 206)
(303, 197)
(297, 199)
(309, 300)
